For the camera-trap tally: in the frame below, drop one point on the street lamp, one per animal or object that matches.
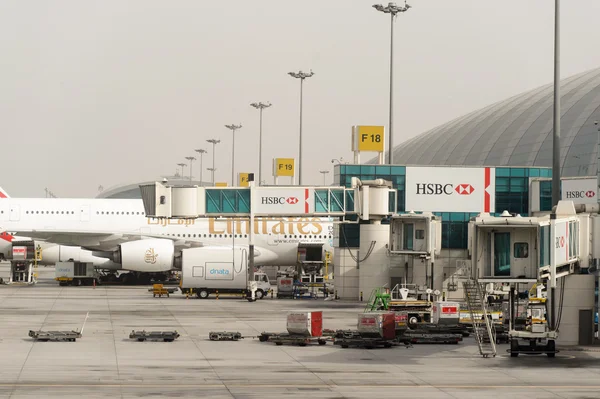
(191, 159)
(233, 128)
(201, 152)
(182, 166)
(393, 10)
(556, 129)
(260, 107)
(300, 75)
(324, 172)
(214, 142)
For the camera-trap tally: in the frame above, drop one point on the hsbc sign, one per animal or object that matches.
(580, 191)
(441, 189)
(286, 200)
(279, 200)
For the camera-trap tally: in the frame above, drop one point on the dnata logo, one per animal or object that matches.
(279, 200)
(150, 256)
(219, 271)
(446, 189)
(580, 194)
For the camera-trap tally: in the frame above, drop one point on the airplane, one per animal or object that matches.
(115, 234)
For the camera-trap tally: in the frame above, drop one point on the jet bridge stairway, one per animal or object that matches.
(483, 327)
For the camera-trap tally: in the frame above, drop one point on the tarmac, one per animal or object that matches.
(106, 363)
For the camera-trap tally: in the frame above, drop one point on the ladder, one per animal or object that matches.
(379, 299)
(483, 327)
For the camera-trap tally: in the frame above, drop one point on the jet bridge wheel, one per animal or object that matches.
(202, 294)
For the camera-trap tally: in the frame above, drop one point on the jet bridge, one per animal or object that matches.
(370, 201)
(517, 252)
(415, 240)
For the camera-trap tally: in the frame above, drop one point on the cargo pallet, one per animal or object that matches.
(291, 339)
(422, 337)
(224, 336)
(166, 336)
(44, 336)
(349, 338)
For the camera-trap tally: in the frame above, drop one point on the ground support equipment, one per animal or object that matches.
(291, 339)
(45, 336)
(166, 336)
(424, 337)
(160, 290)
(531, 343)
(352, 338)
(224, 336)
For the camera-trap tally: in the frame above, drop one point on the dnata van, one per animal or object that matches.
(206, 270)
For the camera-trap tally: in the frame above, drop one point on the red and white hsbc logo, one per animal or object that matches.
(441, 189)
(279, 200)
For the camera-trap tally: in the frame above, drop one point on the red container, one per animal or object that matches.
(382, 325)
(309, 324)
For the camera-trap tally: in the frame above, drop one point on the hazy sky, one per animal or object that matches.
(118, 91)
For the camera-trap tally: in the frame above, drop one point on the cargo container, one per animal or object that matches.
(305, 323)
(381, 325)
(446, 312)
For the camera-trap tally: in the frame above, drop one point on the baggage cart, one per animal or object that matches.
(166, 336)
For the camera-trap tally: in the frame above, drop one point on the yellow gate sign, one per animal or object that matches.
(243, 179)
(368, 138)
(284, 167)
(220, 184)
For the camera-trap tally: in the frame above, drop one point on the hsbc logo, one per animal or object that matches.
(464, 189)
(444, 189)
(279, 200)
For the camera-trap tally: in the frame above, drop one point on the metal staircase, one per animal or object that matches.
(378, 300)
(483, 327)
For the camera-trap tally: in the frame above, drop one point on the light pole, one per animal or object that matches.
(393, 10)
(300, 75)
(201, 152)
(324, 172)
(260, 107)
(556, 136)
(182, 166)
(233, 128)
(191, 159)
(214, 142)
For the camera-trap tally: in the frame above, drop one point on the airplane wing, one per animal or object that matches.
(95, 241)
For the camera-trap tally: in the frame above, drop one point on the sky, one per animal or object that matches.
(102, 93)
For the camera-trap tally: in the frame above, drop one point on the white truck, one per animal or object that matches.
(207, 270)
(76, 273)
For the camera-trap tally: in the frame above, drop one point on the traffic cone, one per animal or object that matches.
(217, 294)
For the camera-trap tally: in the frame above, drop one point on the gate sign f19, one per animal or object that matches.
(443, 189)
(286, 200)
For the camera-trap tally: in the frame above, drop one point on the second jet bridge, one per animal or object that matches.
(513, 247)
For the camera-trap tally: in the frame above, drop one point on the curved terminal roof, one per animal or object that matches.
(518, 132)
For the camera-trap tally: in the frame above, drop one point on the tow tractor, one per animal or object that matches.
(536, 337)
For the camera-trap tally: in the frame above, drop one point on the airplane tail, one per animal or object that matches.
(3, 193)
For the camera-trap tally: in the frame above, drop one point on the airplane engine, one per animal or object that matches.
(151, 255)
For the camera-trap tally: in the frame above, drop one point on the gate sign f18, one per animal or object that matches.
(286, 200)
(441, 189)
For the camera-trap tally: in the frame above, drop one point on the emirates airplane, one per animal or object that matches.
(115, 234)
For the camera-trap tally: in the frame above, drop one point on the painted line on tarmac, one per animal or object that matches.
(323, 386)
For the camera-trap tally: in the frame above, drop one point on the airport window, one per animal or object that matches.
(420, 234)
(521, 250)
(245, 235)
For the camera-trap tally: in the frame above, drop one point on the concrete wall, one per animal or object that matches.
(374, 271)
(578, 294)
(346, 273)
